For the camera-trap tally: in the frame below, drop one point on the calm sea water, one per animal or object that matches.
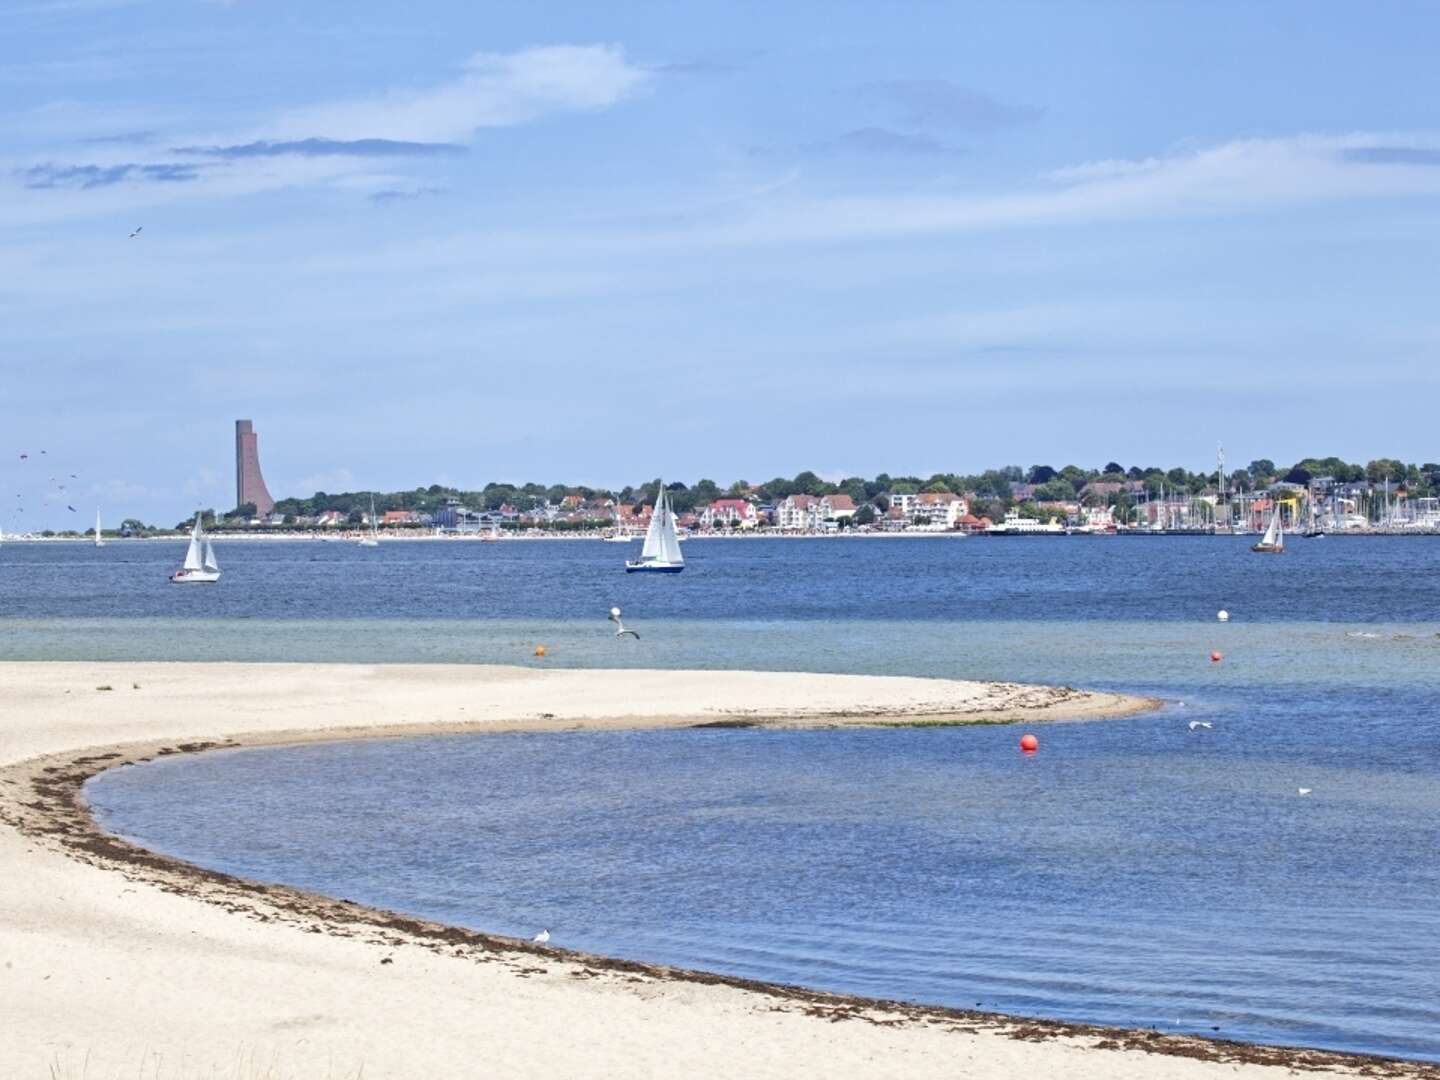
(1133, 872)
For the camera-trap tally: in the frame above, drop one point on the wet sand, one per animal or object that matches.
(118, 962)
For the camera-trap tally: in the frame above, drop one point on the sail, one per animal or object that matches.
(651, 551)
(208, 559)
(661, 543)
(98, 540)
(194, 551)
(669, 541)
(1272, 531)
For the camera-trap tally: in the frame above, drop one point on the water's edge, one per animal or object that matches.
(44, 798)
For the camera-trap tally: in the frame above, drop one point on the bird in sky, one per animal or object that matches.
(542, 938)
(1200, 723)
(620, 630)
(138, 230)
(1304, 790)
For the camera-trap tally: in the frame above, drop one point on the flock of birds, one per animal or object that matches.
(56, 491)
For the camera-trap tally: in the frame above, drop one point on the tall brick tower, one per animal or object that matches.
(249, 484)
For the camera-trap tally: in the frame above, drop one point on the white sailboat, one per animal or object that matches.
(373, 540)
(99, 539)
(1273, 542)
(661, 554)
(200, 567)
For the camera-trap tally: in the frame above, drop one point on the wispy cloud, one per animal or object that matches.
(495, 90)
(86, 177)
(879, 140)
(937, 104)
(326, 148)
(124, 138)
(1244, 176)
(1392, 155)
(317, 144)
(386, 196)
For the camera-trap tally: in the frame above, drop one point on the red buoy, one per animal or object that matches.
(1029, 743)
(1215, 657)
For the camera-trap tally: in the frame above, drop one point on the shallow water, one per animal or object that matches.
(1133, 872)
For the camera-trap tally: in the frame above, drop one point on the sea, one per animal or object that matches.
(1141, 872)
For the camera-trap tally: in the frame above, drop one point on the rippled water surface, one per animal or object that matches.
(1133, 872)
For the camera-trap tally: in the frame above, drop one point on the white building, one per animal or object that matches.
(798, 513)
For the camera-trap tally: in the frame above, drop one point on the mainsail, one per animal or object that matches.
(661, 543)
(1274, 533)
(194, 552)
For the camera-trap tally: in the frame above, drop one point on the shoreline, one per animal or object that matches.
(42, 804)
(350, 538)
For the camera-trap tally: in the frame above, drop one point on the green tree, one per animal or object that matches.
(865, 515)
(807, 483)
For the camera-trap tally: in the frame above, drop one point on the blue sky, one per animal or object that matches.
(457, 242)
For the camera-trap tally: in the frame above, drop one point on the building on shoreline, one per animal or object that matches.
(249, 482)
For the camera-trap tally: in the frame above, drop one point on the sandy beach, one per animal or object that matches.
(117, 963)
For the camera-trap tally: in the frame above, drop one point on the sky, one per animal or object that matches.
(455, 242)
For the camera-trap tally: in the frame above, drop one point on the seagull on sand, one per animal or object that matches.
(620, 630)
(542, 938)
(1200, 723)
(138, 230)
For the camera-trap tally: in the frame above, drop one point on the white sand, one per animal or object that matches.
(105, 973)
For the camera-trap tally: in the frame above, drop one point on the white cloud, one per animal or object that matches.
(1243, 176)
(496, 90)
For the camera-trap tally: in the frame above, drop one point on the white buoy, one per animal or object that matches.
(1223, 615)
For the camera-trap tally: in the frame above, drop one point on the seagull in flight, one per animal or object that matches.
(1304, 790)
(542, 938)
(1200, 723)
(138, 230)
(620, 630)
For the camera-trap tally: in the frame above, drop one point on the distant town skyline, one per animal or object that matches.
(455, 244)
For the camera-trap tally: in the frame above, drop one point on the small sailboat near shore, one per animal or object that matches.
(99, 536)
(1273, 542)
(661, 553)
(373, 540)
(200, 567)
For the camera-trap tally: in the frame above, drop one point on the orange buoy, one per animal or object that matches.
(1215, 657)
(1029, 743)
(539, 650)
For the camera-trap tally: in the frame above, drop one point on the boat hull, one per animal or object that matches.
(1268, 549)
(368, 543)
(653, 568)
(194, 577)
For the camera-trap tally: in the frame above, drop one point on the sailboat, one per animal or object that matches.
(1273, 542)
(99, 539)
(661, 554)
(200, 567)
(1316, 531)
(373, 540)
